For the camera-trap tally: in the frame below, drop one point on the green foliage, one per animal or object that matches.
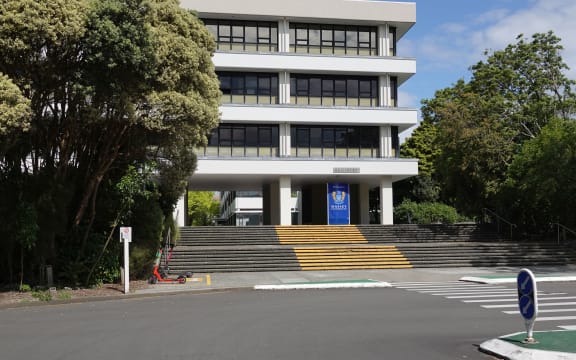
(426, 213)
(25, 288)
(421, 145)
(42, 295)
(481, 125)
(14, 108)
(91, 90)
(202, 208)
(141, 262)
(541, 177)
(63, 295)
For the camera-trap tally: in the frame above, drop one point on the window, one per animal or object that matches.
(243, 140)
(333, 90)
(392, 41)
(393, 91)
(335, 141)
(248, 88)
(333, 39)
(244, 35)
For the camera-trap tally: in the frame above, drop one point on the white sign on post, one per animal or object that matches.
(126, 234)
(126, 238)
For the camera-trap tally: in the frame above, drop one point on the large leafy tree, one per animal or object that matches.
(482, 124)
(542, 177)
(110, 84)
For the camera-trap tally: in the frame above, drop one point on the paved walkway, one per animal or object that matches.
(552, 345)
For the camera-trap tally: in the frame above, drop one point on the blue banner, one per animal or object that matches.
(338, 204)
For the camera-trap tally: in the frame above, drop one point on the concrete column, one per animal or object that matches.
(383, 90)
(284, 87)
(386, 204)
(283, 36)
(382, 38)
(285, 200)
(364, 203)
(385, 141)
(284, 133)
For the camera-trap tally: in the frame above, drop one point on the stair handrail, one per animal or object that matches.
(488, 213)
(564, 229)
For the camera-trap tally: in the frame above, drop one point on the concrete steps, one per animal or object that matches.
(282, 248)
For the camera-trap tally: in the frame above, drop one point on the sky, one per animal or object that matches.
(451, 35)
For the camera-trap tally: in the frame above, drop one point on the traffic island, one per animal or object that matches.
(336, 284)
(549, 345)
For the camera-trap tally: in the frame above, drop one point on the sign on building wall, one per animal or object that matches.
(338, 204)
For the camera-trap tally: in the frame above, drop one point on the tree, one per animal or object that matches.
(542, 177)
(482, 124)
(202, 208)
(111, 83)
(420, 145)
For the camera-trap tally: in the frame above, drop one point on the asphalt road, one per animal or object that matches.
(385, 323)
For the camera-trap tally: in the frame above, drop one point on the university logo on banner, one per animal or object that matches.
(338, 204)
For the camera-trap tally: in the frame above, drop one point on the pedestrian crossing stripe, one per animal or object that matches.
(497, 297)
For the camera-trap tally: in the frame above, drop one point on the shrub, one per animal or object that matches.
(410, 212)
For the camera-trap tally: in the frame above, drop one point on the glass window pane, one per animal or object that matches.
(224, 30)
(340, 88)
(352, 88)
(351, 39)
(340, 137)
(251, 85)
(224, 83)
(251, 135)
(237, 31)
(314, 38)
(225, 136)
(327, 87)
(238, 136)
(315, 137)
(316, 87)
(265, 137)
(237, 85)
(264, 85)
(303, 137)
(328, 138)
(251, 36)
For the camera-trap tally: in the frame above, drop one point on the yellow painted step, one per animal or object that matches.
(321, 234)
(350, 257)
(355, 267)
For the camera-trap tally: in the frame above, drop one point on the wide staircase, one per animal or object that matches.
(322, 247)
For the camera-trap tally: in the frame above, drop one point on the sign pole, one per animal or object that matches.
(126, 238)
(528, 302)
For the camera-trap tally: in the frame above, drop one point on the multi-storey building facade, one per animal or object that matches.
(309, 98)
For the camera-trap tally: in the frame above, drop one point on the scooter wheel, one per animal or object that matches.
(152, 280)
(181, 279)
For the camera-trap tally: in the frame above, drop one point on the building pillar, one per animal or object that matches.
(385, 141)
(386, 202)
(384, 90)
(283, 36)
(285, 200)
(284, 134)
(284, 87)
(383, 45)
(364, 203)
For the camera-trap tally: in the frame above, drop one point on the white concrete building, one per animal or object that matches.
(309, 99)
